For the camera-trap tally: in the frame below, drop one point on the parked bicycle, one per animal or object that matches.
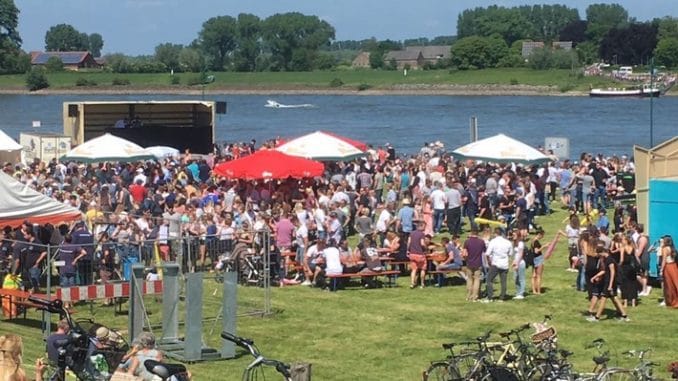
(258, 369)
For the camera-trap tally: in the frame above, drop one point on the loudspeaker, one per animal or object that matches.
(221, 107)
(73, 111)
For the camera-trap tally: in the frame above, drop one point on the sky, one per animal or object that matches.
(136, 27)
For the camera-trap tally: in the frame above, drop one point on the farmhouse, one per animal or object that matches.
(71, 60)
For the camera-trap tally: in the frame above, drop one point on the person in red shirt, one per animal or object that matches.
(138, 192)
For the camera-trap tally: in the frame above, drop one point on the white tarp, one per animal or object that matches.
(19, 203)
(7, 143)
(500, 149)
(108, 147)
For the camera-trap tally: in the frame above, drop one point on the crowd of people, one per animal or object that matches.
(398, 205)
(406, 208)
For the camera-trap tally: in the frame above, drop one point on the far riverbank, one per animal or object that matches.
(409, 89)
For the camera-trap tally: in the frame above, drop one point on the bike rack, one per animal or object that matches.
(190, 348)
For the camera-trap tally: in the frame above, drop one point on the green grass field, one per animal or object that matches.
(393, 333)
(563, 80)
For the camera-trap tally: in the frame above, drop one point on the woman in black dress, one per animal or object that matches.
(628, 273)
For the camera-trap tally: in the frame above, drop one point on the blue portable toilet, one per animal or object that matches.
(663, 212)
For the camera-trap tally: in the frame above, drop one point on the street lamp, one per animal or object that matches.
(651, 102)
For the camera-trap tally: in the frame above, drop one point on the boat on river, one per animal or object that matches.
(637, 92)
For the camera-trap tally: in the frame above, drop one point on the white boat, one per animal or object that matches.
(644, 91)
(273, 104)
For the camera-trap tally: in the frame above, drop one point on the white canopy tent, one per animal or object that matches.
(162, 152)
(10, 150)
(322, 147)
(19, 203)
(108, 147)
(500, 149)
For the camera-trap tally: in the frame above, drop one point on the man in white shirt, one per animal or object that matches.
(438, 203)
(499, 250)
(332, 257)
(384, 219)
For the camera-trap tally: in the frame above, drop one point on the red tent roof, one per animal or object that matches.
(357, 144)
(269, 164)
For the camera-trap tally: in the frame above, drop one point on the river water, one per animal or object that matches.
(607, 126)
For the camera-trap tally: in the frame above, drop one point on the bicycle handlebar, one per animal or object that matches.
(597, 343)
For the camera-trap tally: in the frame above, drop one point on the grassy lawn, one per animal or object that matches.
(393, 334)
(563, 80)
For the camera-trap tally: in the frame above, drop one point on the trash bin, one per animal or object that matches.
(127, 263)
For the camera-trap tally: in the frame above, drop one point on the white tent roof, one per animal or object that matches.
(321, 146)
(7, 143)
(108, 147)
(19, 203)
(500, 149)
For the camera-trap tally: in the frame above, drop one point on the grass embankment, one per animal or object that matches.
(508, 80)
(393, 334)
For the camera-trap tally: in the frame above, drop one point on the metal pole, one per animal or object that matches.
(48, 317)
(651, 102)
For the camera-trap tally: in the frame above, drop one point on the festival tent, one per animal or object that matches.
(500, 149)
(269, 164)
(324, 146)
(107, 147)
(162, 152)
(10, 150)
(20, 203)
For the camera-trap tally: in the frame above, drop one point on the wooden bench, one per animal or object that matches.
(18, 298)
(389, 274)
(430, 274)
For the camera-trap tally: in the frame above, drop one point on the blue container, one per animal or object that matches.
(127, 263)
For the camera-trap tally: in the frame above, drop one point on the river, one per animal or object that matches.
(607, 126)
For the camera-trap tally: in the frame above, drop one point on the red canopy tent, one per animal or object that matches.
(19, 203)
(269, 164)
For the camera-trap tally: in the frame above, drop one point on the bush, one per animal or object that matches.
(85, 82)
(36, 79)
(337, 82)
(175, 80)
(364, 86)
(514, 81)
(566, 87)
(196, 80)
(54, 64)
(121, 82)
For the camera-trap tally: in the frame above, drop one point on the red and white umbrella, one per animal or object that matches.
(269, 164)
(324, 146)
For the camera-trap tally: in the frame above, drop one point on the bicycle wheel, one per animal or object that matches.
(618, 375)
(441, 371)
(263, 373)
(545, 372)
(464, 365)
(499, 373)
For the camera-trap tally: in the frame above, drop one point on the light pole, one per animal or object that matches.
(651, 102)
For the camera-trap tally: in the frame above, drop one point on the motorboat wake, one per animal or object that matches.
(273, 104)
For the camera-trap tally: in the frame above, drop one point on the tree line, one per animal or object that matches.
(493, 37)
(486, 37)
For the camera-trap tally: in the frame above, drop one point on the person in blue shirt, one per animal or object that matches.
(405, 226)
(603, 222)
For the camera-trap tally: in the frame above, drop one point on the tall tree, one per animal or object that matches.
(666, 52)
(96, 42)
(547, 20)
(630, 45)
(9, 23)
(218, 40)
(668, 27)
(64, 37)
(12, 59)
(249, 42)
(294, 40)
(477, 52)
(191, 60)
(575, 31)
(168, 54)
(604, 17)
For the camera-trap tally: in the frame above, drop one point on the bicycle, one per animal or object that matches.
(641, 372)
(173, 372)
(256, 369)
(554, 367)
(467, 365)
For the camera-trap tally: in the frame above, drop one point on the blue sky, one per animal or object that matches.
(137, 26)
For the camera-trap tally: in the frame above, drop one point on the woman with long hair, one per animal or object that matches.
(11, 353)
(628, 272)
(537, 262)
(669, 271)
